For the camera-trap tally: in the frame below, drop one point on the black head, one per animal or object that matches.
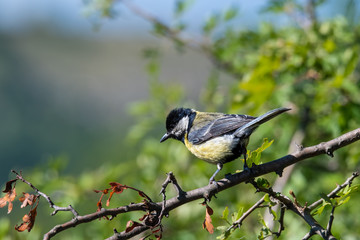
(177, 123)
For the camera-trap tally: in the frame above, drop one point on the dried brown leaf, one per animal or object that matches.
(99, 203)
(117, 187)
(108, 201)
(207, 224)
(28, 220)
(143, 217)
(130, 225)
(7, 199)
(27, 199)
(8, 186)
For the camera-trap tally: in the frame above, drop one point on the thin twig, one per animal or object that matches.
(170, 179)
(202, 45)
(333, 193)
(281, 221)
(48, 199)
(239, 221)
(166, 30)
(331, 220)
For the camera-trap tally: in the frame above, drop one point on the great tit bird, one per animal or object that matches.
(216, 138)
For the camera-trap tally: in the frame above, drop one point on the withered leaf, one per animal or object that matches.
(108, 201)
(8, 185)
(7, 199)
(27, 199)
(156, 230)
(117, 187)
(28, 220)
(143, 217)
(99, 206)
(105, 191)
(130, 225)
(207, 224)
(99, 203)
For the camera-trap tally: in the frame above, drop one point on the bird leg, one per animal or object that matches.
(246, 167)
(219, 167)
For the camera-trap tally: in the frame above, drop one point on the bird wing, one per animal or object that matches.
(227, 123)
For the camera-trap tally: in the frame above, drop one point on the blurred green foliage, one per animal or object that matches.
(309, 65)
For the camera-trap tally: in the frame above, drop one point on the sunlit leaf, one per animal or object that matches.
(225, 213)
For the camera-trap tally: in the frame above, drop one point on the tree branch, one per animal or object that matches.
(98, 215)
(295, 207)
(210, 190)
(127, 235)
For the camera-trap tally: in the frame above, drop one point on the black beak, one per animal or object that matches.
(166, 136)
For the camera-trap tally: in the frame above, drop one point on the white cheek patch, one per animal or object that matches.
(182, 125)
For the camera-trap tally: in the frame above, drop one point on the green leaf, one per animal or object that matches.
(225, 213)
(160, 29)
(150, 53)
(230, 13)
(211, 23)
(266, 144)
(346, 190)
(255, 156)
(262, 221)
(181, 6)
(262, 182)
(225, 234)
(320, 209)
(153, 68)
(275, 6)
(274, 214)
(267, 198)
(236, 216)
(342, 201)
(325, 198)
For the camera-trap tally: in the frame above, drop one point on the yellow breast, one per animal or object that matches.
(214, 150)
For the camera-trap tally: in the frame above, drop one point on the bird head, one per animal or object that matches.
(177, 123)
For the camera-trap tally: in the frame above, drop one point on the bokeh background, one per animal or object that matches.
(85, 87)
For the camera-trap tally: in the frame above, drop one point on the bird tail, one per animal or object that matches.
(248, 128)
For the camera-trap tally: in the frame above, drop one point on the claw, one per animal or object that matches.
(219, 167)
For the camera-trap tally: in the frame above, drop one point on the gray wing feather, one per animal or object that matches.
(238, 125)
(218, 127)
